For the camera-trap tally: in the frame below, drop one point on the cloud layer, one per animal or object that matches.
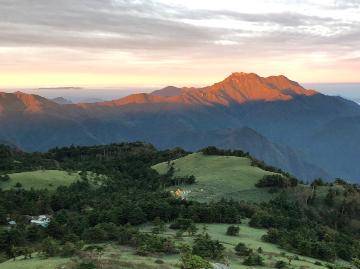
(143, 35)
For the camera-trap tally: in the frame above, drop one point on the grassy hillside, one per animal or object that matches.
(251, 237)
(34, 263)
(219, 176)
(308, 220)
(126, 257)
(50, 179)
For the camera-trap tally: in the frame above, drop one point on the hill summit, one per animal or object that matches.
(23, 102)
(238, 88)
(246, 87)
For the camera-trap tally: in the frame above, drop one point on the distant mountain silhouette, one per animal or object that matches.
(274, 118)
(61, 101)
(91, 100)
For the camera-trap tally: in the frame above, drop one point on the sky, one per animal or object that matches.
(145, 43)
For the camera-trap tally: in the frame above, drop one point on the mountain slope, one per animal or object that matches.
(35, 123)
(291, 127)
(211, 173)
(344, 151)
(238, 88)
(19, 102)
(167, 91)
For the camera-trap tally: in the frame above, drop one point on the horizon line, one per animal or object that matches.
(129, 86)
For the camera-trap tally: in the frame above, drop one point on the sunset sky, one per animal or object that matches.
(47, 43)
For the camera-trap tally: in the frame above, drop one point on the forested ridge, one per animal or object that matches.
(319, 220)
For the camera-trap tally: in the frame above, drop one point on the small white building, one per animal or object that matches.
(41, 220)
(12, 222)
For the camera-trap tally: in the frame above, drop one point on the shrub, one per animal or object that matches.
(324, 250)
(276, 180)
(184, 225)
(233, 230)
(272, 236)
(50, 247)
(154, 244)
(242, 250)
(126, 235)
(181, 224)
(253, 260)
(68, 249)
(175, 181)
(189, 261)
(211, 150)
(142, 250)
(4, 178)
(280, 265)
(95, 234)
(86, 265)
(318, 182)
(159, 226)
(356, 262)
(205, 247)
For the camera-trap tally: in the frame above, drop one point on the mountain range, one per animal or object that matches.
(302, 131)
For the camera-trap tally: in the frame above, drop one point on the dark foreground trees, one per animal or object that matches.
(129, 193)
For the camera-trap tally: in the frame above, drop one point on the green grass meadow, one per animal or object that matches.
(34, 263)
(218, 177)
(40, 179)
